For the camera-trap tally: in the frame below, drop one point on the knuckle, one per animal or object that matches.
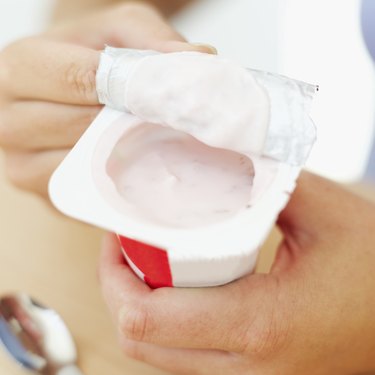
(81, 80)
(14, 171)
(134, 11)
(8, 134)
(4, 132)
(89, 116)
(9, 60)
(269, 333)
(76, 128)
(5, 71)
(132, 349)
(135, 323)
(134, 8)
(266, 339)
(23, 174)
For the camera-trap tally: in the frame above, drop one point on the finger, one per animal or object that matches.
(128, 25)
(305, 217)
(112, 262)
(32, 171)
(175, 46)
(317, 213)
(183, 361)
(142, 26)
(208, 318)
(146, 28)
(317, 209)
(36, 125)
(43, 69)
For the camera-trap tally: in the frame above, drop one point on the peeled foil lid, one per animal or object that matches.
(291, 132)
(284, 133)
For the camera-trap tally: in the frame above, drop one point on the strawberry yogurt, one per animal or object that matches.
(173, 179)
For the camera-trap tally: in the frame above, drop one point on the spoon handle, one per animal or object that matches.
(69, 370)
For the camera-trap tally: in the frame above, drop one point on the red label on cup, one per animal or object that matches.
(150, 260)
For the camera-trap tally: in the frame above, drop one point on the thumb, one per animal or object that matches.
(41, 69)
(302, 211)
(196, 318)
(315, 210)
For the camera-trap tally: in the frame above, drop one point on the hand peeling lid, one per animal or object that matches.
(215, 100)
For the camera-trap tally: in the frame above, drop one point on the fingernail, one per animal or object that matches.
(208, 47)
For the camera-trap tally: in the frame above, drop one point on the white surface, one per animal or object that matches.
(323, 44)
(244, 30)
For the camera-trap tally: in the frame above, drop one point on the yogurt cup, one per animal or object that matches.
(163, 255)
(206, 237)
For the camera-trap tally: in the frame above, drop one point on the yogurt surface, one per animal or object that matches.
(169, 177)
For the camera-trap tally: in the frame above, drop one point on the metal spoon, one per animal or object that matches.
(36, 336)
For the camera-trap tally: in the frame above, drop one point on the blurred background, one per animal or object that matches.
(329, 43)
(321, 42)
